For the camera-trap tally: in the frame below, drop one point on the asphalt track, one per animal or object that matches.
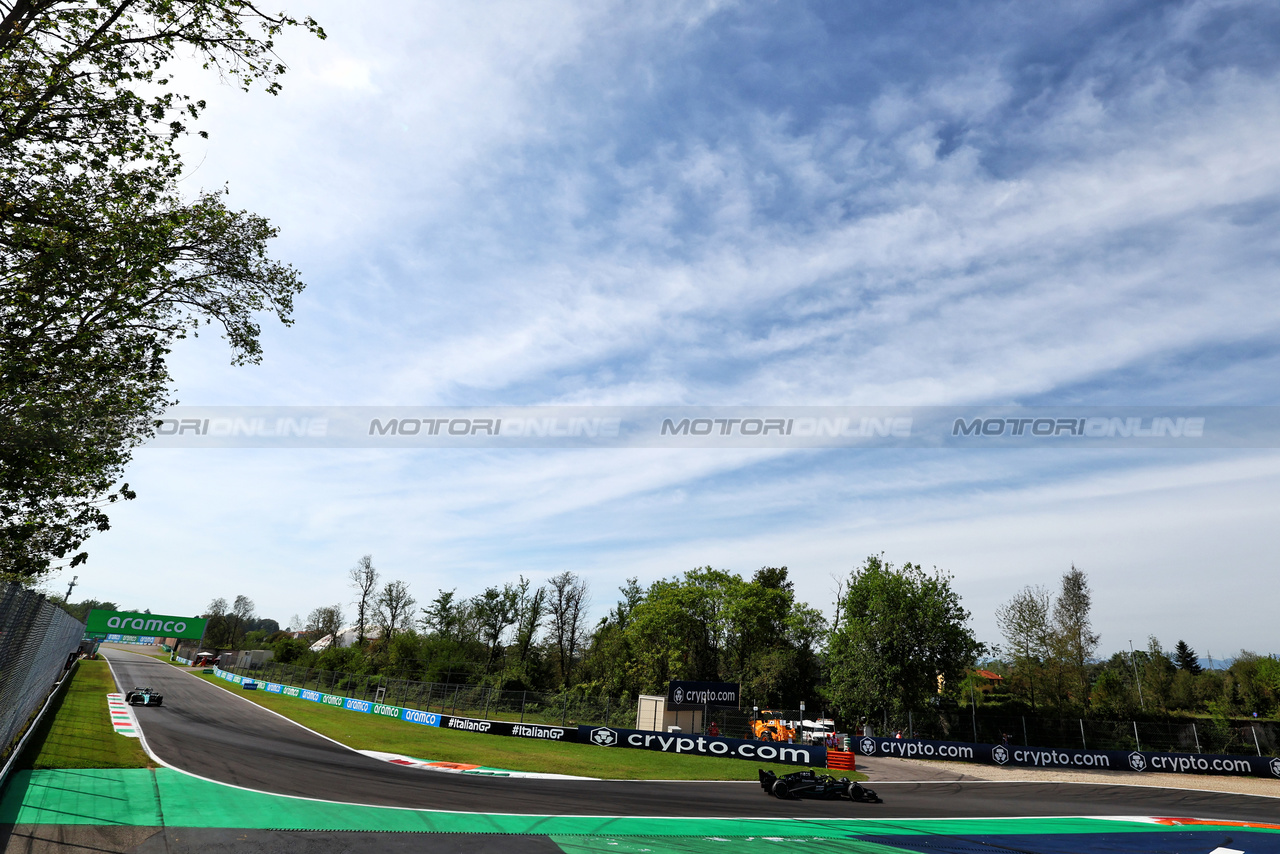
(213, 733)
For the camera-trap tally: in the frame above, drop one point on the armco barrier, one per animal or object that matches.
(702, 745)
(1017, 756)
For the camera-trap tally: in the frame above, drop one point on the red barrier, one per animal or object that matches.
(841, 760)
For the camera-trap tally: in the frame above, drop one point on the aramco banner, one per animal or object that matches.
(133, 623)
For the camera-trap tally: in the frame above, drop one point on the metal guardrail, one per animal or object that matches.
(36, 638)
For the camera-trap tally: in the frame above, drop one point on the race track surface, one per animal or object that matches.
(213, 733)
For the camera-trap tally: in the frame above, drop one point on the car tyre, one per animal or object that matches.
(780, 790)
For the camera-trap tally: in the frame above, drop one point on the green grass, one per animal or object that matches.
(77, 731)
(368, 732)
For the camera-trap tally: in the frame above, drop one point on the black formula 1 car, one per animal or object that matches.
(807, 784)
(143, 697)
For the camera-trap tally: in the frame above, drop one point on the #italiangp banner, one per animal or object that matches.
(133, 623)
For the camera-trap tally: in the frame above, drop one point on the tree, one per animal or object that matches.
(364, 578)
(495, 612)
(1024, 622)
(531, 608)
(1074, 640)
(241, 613)
(770, 639)
(1157, 672)
(901, 630)
(103, 265)
(325, 621)
(393, 609)
(80, 610)
(445, 616)
(1186, 658)
(567, 606)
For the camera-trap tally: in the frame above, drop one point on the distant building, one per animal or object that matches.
(346, 637)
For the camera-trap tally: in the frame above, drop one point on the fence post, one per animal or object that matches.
(1196, 736)
(1136, 740)
(564, 714)
(975, 727)
(455, 699)
(1256, 746)
(1083, 744)
(1025, 741)
(488, 695)
(606, 710)
(524, 698)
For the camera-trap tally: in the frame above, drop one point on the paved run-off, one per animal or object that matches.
(166, 798)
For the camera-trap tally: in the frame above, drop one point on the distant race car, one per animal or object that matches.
(143, 697)
(807, 784)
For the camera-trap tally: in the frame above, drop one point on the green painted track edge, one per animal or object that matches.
(165, 797)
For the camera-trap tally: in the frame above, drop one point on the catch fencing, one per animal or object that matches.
(572, 707)
(563, 708)
(36, 640)
(1201, 735)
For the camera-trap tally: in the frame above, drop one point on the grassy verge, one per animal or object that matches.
(368, 732)
(77, 731)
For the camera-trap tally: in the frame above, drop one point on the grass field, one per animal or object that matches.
(77, 731)
(367, 732)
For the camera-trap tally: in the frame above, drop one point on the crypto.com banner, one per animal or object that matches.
(718, 427)
(1010, 755)
(814, 755)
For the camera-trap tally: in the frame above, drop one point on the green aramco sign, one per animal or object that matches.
(147, 625)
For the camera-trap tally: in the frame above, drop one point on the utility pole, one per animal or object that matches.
(1136, 678)
(70, 587)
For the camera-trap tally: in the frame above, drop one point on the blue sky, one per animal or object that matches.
(718, 203)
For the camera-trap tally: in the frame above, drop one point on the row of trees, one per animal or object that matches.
(237, 625)
(1050, 641)
(899, 641)
(894, 632)
(1049, 665)
(516, 634)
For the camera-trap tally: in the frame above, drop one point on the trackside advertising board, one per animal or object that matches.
(414, 716)
(1011, 755)
(133, 623)
(699, 695)
(705, 745)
